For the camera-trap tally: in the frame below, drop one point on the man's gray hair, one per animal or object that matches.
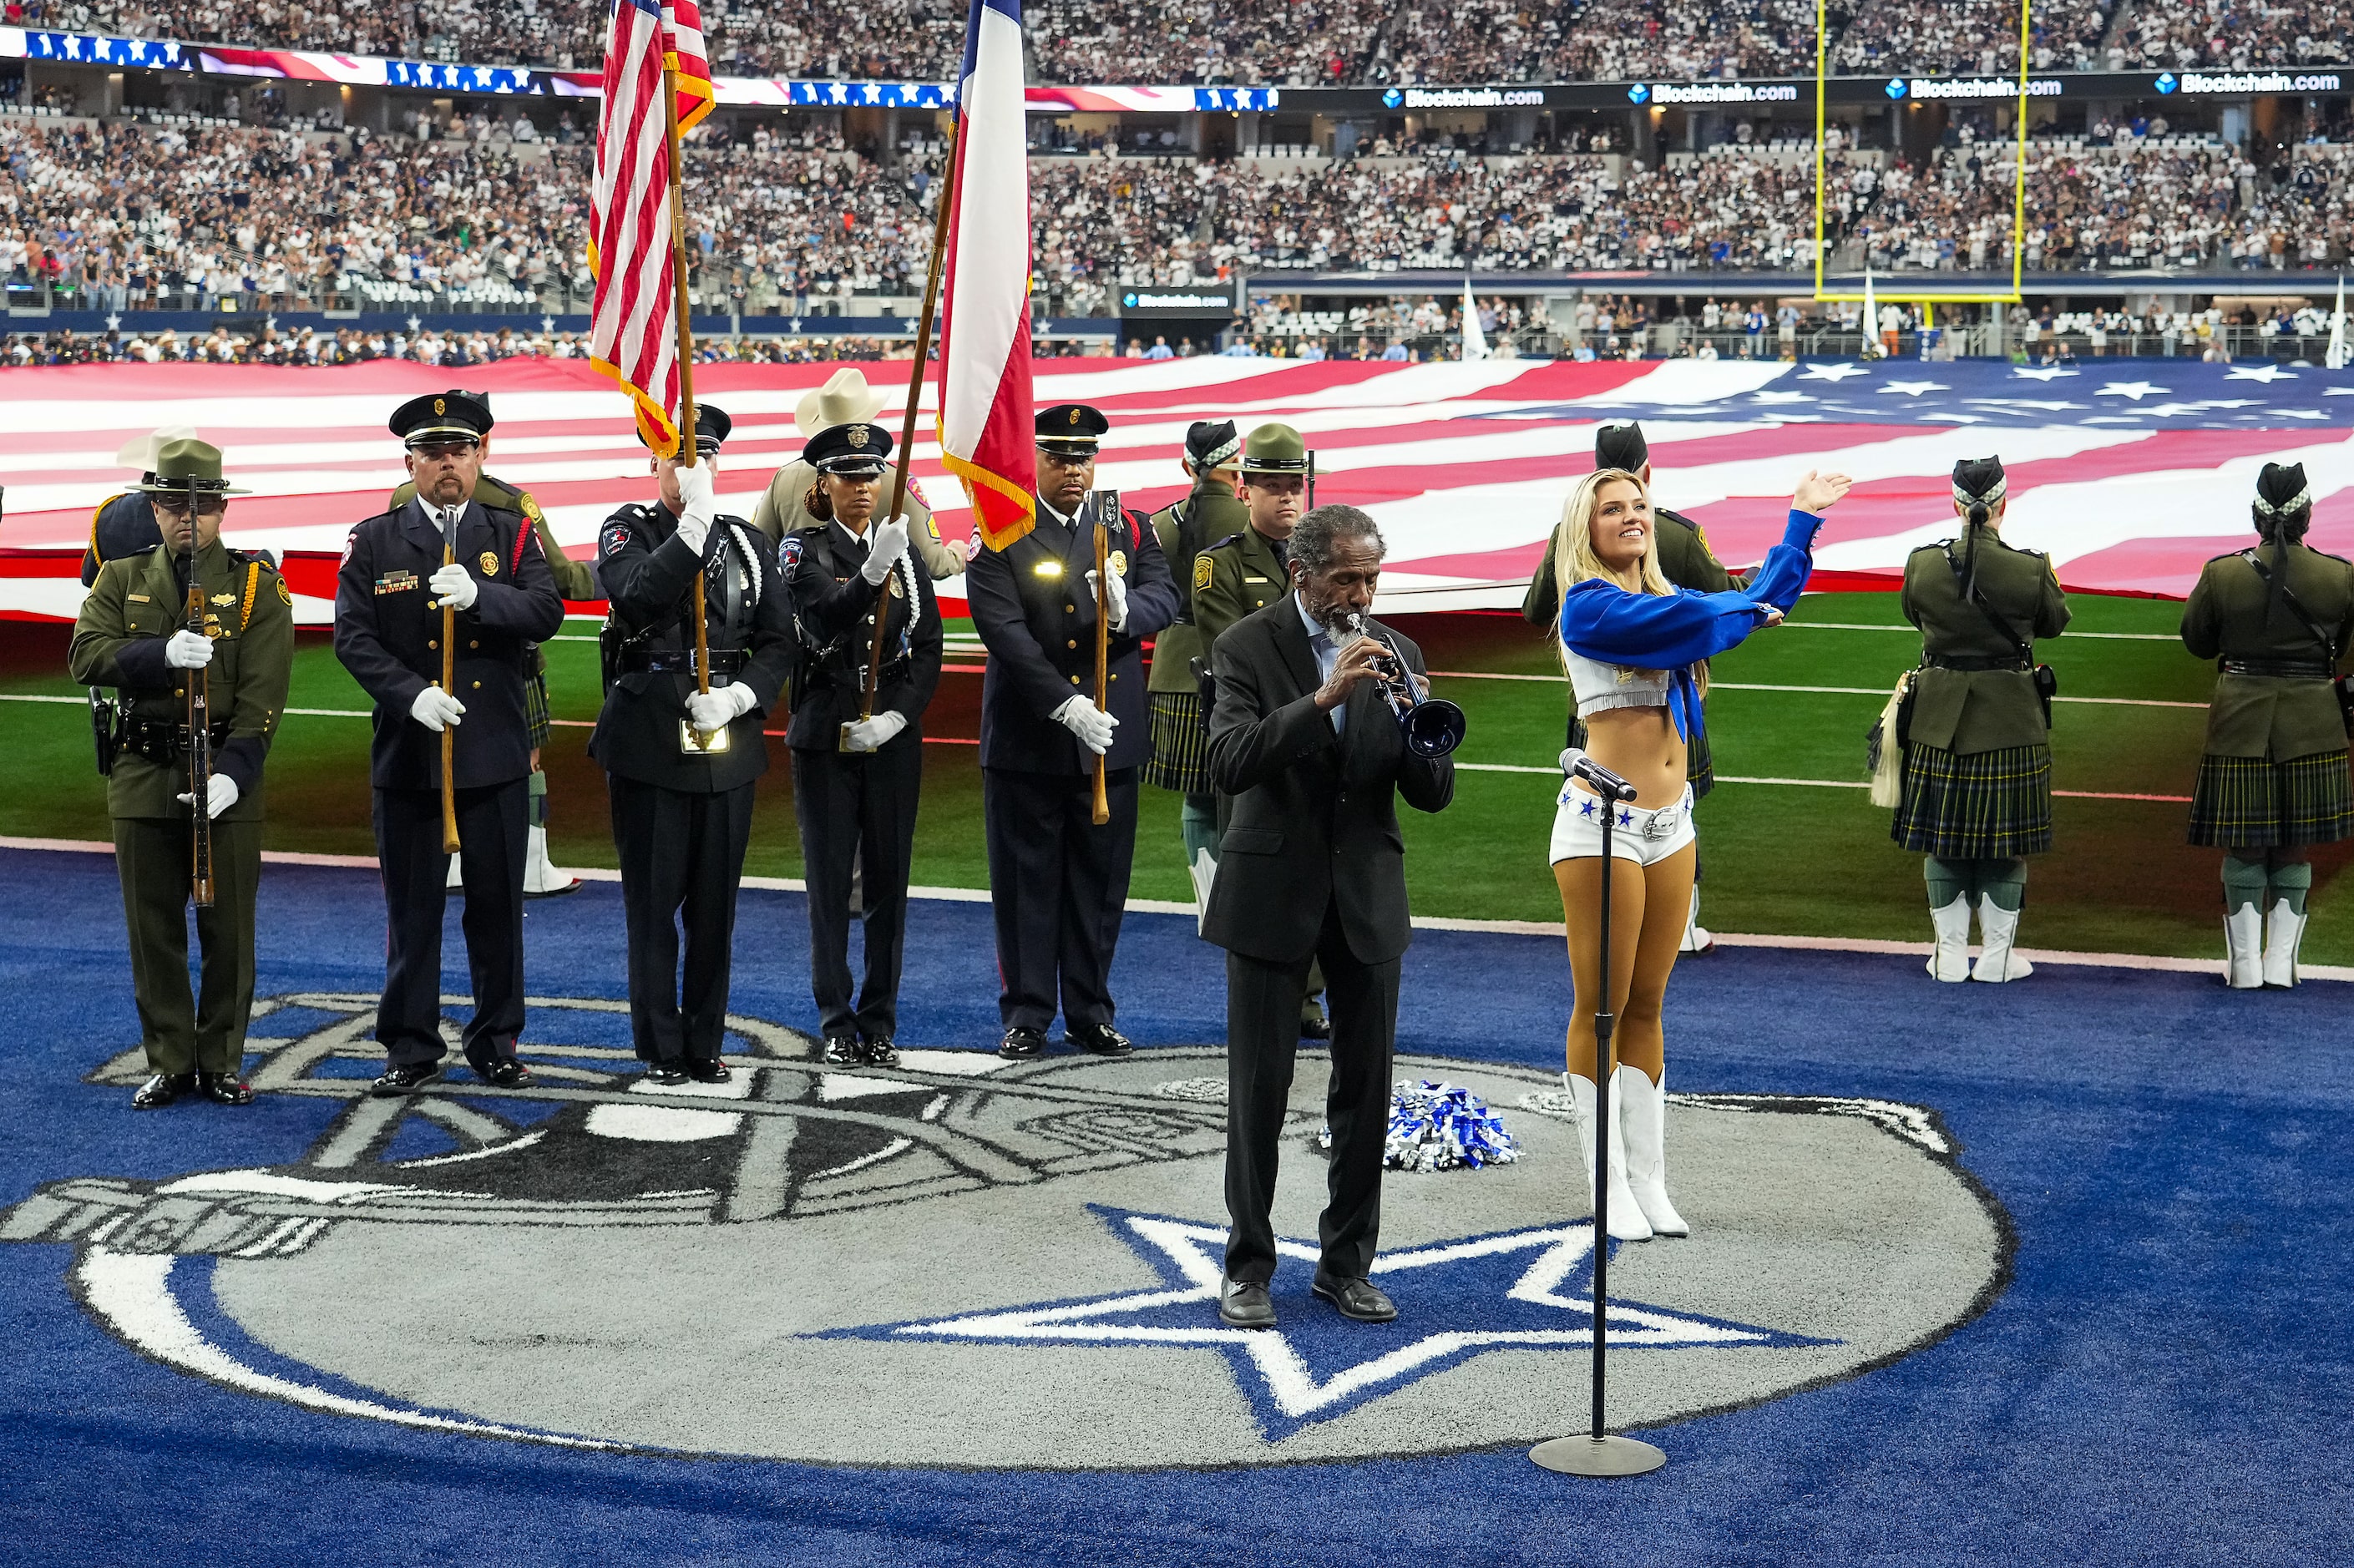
(1316, 541)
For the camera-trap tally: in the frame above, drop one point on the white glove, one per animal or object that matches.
(698, 495)
(436, 709)
(883, 547)
(717, 708)
(189, 651)
(1119, 599)
(1089, 722)
(455, 583)
(872, 734)
(693, 532)
(220, 794)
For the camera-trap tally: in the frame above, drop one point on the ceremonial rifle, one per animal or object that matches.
(200, 731)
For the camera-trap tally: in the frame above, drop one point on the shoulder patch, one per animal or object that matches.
(285, 594)
(789, 552)
(972, 547)
(528, 507)
(614, 539)
(1202, 570)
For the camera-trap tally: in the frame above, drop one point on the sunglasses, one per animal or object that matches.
(177, 506)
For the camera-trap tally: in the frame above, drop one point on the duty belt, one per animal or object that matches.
(729, 662)
(162, 742)
(2283, 669)
(1976, 662)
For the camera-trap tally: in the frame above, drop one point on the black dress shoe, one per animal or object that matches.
(501, 1072)
(1357, 1298)
(223, 1088)
(841, 1050)
(1019, 1044)
(162, 1090)
(707, 1070)
(1100, 1040)
(1315, 1025)
(665, 1072)
(879, 1052)
(1243, 1305)
(400, 1079)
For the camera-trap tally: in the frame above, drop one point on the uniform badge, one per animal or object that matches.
(896, 590)
(1202, 569)
(973, 547)
(490, 564)
(1074, 416)
(530, 507)
(1118, 561)
(615, 540)
(440, 406)
(857, 436)
(788, 553)
(285, 594)
(224, 597)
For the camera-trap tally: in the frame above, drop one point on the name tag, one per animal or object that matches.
(138, 598)
(1248, 578)
(396, 582)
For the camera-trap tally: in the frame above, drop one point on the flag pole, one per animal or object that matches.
(685, 310)
(908, 424)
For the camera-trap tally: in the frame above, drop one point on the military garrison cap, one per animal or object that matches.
(451, 416)
(1072, 428)
(1211, 445)
(1620, 444)
(854, 450)
(1275, 448)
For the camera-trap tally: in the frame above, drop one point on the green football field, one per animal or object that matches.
(1790, 843)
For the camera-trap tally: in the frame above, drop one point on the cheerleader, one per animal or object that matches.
(1630, 643)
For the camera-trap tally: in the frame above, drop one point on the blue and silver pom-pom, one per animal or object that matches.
(1439, 1127)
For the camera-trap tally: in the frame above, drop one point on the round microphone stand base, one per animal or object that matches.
(1609, 1455)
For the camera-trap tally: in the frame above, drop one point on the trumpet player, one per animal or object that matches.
(1304, 740)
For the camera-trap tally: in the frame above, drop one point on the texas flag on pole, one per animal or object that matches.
(986, 433)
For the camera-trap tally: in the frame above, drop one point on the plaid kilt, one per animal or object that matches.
(534, 707)
(1986, 805)
(1180, 750)
(2254, 802)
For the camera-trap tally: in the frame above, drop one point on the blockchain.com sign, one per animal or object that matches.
(1933, 88)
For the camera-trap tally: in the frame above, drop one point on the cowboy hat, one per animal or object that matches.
(140, 451)
(845, 400)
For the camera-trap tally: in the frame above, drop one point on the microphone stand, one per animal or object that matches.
(1600, 1453)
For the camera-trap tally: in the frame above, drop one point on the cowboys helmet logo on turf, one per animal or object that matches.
(921, 1265)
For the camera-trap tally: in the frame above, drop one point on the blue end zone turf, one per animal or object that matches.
(2164, 1378)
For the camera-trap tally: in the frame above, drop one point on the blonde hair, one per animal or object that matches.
(1574, 560)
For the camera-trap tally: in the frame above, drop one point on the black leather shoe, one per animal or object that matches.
(1315, 1025)
(665, 1072)
(841, 1050)
(707, 1070)
(162, 1090)
(501, 1073)
(403, 1080)
(223, 1088)
(1019, 1044)
(1243, 1305)
(879, 1052)
(1357, 1298)
(1100, 1040)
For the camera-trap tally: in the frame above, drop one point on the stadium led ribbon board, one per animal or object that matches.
(1917, 91)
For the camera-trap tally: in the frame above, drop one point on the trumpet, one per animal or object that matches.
(1431, 726)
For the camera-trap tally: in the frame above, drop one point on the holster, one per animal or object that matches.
(2047, 686)
(1207, 686)
(103, 731)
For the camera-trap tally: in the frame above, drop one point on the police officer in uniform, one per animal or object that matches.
(1059, 883)
(1978, 744)
(2272, 781)
(1242, 572)
(682, 819)
(1180, 736)
(389, 599)
(856, 779)
(783, 507)
(576, 581)
(1686, 561)
(131, 634)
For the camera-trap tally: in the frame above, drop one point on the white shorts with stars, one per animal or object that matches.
(1645, 837)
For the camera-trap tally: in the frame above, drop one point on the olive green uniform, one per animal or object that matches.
(1180, 742)
(135, 604)
(1977, 753)
(783, 509)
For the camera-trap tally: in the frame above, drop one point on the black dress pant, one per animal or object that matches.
(858, 808)
(1058, 886)
(1262, 1037)
(682, 861)
(493, 829)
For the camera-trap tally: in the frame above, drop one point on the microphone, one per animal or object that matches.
(1607, 784)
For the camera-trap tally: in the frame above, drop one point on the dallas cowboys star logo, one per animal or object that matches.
(1512, 1290)
(1586, 808)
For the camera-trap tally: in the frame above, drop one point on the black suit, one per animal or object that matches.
(680, 822)
(1313, 868)
(388, 635)
(857, 805)
(1059, 883)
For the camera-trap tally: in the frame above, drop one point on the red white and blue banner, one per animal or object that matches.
(2131, 474)
(985, 430)
(633, 322)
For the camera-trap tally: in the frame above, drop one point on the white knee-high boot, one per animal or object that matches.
(2244, 942)
(1626, 1221)
(1997, 930)
(2285, 936)
(1951, 960)
(1645, 1106)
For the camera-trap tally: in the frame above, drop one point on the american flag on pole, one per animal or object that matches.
(633, 328)
(985, 389)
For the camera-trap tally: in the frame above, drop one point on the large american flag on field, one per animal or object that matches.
(2130, 473)
(985, 430)
(633, 327)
